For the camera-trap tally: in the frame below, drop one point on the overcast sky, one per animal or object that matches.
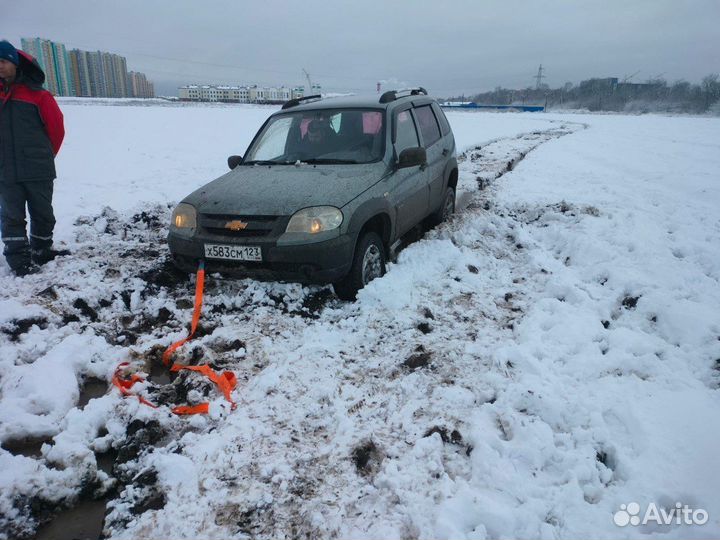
(451, 48)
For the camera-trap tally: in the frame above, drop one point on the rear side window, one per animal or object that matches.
(428, 125)
(406, 134)
(444, 124)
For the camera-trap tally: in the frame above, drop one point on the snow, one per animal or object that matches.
(549, 354)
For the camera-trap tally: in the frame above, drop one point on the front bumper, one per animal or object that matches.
(318, 262)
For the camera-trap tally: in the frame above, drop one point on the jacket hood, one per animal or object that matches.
(282, 190)
(29, 71)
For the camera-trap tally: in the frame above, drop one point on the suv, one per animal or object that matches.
(324, 193)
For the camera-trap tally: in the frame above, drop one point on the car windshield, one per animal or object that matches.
(332, 136)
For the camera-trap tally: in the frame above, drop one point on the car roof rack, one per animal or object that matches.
(296, 101)
(392, 95)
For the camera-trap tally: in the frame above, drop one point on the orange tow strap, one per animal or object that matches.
(199, 288)
(225, 381)
(124, 385)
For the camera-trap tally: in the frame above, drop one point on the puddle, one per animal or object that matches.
(91, 389)
(106, 461)
(159, 374)
(85, 520)
(27, 446)
(82, 522)
(18, 327)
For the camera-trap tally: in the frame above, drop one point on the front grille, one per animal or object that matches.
(257, 226)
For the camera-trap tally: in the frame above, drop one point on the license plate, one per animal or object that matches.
(233, 253)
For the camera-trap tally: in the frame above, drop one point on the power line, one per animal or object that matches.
(370, 81)
(361, 82)
(221, 65)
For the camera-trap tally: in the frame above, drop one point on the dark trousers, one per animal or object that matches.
(14, 196)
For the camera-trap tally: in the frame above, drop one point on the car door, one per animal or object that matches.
(436, 153)
(408, 191)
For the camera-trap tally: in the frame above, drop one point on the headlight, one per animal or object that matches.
(315, 219)
(184, 218)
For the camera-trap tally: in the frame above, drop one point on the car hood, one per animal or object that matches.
(281, 190)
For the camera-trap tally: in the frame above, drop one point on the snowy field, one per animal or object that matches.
(550, 354)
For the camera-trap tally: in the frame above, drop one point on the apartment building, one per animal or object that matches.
(241, 94)
(139, 86)
(84, 73)
(189, 93)
(80, 70)
(54, 61)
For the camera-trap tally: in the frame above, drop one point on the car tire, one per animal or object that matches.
(368, 264)
(447, 208)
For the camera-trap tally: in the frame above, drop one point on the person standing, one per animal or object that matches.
(31, 132)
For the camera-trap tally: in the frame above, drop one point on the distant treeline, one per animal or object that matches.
(611, 94)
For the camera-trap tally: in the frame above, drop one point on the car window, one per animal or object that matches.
(333, 122)
(336, 136)
(372, 122)
(440, 114)
(405, 132)
(428, 125)
(273, 140)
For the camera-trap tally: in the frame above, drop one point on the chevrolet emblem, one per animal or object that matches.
(236, 225)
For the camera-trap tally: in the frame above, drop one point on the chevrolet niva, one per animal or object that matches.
(324, 193)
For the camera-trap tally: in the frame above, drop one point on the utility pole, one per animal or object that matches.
(539, 77)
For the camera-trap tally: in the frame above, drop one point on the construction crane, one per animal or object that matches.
(627, 78)
(310, 84)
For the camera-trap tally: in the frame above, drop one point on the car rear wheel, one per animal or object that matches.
(368, 264)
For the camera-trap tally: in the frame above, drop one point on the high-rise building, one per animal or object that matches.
(53, 59)
(80, 72)
(115, 70)
(98, 84)
(84, 73)
(139, 86)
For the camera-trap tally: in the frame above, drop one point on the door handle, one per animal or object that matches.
(445, 151)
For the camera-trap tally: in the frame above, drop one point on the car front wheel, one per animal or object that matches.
(368, 264)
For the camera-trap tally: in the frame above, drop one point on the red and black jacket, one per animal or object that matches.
(31, 126)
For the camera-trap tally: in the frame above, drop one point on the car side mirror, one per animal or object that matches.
(412, 157)
(234, 161)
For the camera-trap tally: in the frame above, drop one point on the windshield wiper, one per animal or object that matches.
(329, 161)
(267, 162)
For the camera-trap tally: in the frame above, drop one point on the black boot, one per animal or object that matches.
(25, 269)
(42, 256)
